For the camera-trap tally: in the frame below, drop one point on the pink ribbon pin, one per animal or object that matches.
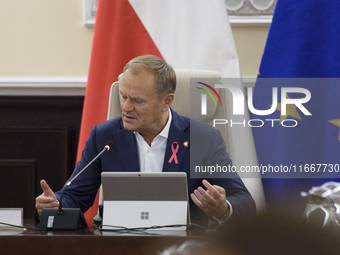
(174, 153)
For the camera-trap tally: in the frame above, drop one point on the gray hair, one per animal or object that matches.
(165, 76)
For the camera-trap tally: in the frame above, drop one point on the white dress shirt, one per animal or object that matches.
(151, 158)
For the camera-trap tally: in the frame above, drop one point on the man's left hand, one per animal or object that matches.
(211, 201)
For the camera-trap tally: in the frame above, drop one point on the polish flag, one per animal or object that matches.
(187, 34)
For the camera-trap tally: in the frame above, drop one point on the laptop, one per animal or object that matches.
(143, 200)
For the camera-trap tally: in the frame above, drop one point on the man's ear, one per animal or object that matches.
(167, 101)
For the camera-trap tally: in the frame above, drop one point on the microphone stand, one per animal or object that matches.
(60, 210)
(67, 218)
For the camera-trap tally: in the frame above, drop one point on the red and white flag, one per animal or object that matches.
(185, 33)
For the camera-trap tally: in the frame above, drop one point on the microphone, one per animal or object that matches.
(107, 147)
(69, 218)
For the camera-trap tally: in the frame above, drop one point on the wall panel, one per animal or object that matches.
(39, 137)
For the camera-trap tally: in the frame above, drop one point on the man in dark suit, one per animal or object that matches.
(150, 136)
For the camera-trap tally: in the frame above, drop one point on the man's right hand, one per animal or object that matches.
(47, 199)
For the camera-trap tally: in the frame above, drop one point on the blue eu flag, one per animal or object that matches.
(302, 50)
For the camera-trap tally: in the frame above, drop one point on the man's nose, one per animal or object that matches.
(127, 105)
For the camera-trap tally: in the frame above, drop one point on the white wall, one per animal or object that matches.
(45, 40)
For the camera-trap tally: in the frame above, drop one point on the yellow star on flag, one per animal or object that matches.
(336, 122)
(290, 111)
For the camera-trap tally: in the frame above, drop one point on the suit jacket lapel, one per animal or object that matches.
(127, 149)
(179, 132)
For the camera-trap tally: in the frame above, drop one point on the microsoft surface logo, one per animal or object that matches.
(144, 215)
(204, 97)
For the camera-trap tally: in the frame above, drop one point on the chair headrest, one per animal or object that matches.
(187, 88)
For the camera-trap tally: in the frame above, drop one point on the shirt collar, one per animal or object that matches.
(165, 131)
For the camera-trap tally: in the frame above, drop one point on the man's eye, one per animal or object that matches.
(138, 101)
